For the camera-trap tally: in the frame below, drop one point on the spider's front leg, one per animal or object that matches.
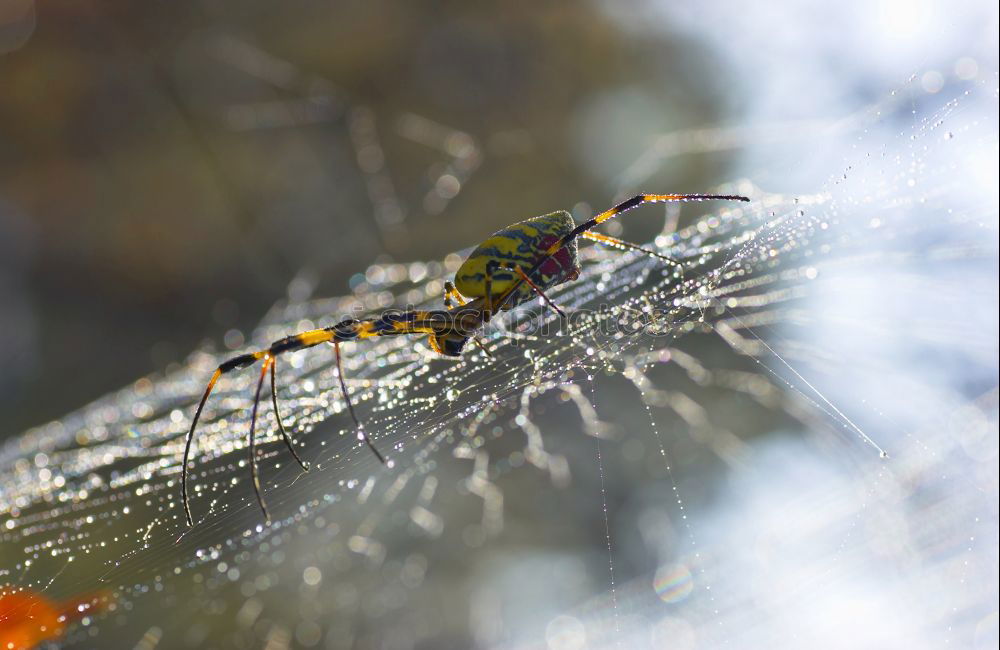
(621, 208)
(614, 242)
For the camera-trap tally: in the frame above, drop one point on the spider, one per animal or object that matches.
(508, 269)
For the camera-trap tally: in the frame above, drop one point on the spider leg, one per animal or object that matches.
(241, 361)
(453, 297)
(288, 344)
(622, 207)
(268, 363)
(525, 278)
(277, 417)
(618, 243)
(362, 434)
(482, 346)
(411, 322)
(639, 199)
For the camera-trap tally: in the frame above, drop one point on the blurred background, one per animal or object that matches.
(167, 169)
(170, 171)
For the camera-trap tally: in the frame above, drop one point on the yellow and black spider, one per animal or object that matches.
(504, 271)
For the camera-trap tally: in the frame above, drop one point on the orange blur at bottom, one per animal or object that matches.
(28, 618)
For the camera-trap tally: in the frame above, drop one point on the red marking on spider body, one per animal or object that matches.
(561, 267)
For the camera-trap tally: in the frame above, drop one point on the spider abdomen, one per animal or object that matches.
(522, 244)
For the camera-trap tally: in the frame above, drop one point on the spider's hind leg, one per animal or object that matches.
(288, 344)
(269, 364)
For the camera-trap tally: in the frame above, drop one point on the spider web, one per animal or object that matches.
(794, 429)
